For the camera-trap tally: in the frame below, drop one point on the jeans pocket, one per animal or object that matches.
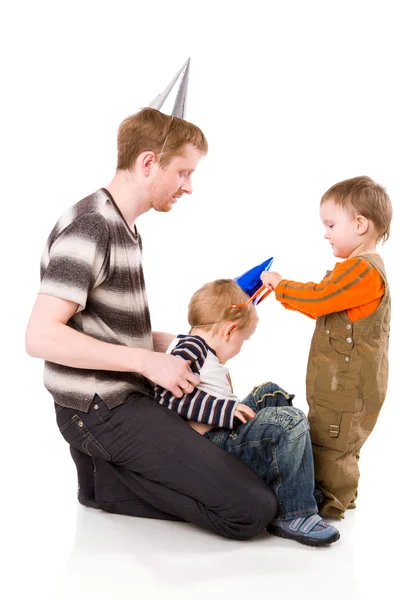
(78, 435)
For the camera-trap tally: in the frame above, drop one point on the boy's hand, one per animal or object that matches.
(271, 279)
(244, 413)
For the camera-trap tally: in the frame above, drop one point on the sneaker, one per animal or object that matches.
(311, 531)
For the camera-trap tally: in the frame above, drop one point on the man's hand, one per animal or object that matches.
(244, 413)
(170, 372)
(271, 279)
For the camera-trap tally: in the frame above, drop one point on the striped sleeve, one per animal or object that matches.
(75, 259)
(352, 283)
(199, 405)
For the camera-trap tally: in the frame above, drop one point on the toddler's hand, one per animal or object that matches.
(244, 413)
(271, 279)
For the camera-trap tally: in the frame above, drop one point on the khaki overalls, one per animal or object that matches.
(346, 385)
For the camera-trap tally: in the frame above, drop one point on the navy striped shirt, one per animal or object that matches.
(212, 402)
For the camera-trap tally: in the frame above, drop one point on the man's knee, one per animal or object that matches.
(266, 510)
(261, 508)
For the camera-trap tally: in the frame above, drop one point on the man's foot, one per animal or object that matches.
(86, 500)
(311, 531)
(85, 472)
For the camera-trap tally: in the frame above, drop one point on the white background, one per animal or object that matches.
(293, 97)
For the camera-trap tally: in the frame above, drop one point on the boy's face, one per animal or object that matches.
(171, 182)
(341, 229)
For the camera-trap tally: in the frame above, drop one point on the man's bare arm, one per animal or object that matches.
(50, 338)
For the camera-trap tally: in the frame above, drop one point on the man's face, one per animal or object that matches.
(170, 183)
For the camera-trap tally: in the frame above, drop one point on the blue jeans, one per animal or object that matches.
(276, 444)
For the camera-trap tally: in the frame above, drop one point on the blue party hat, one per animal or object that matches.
(250, 280)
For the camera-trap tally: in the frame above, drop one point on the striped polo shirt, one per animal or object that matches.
(212, 401)
(93, 258)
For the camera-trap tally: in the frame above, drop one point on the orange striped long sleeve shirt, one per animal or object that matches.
(354, 285)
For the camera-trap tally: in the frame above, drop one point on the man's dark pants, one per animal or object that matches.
(143, 460)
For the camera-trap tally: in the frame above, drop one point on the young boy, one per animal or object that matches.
(348, 363)
(264, 430)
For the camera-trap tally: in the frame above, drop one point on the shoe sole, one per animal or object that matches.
(302, 540)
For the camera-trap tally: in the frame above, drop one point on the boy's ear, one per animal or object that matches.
(362, 224)
(229, 329)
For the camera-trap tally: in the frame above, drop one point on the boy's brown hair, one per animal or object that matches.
(363, 196)
(210, 305)
(152, 130)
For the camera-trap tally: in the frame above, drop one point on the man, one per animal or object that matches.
(91, 324)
